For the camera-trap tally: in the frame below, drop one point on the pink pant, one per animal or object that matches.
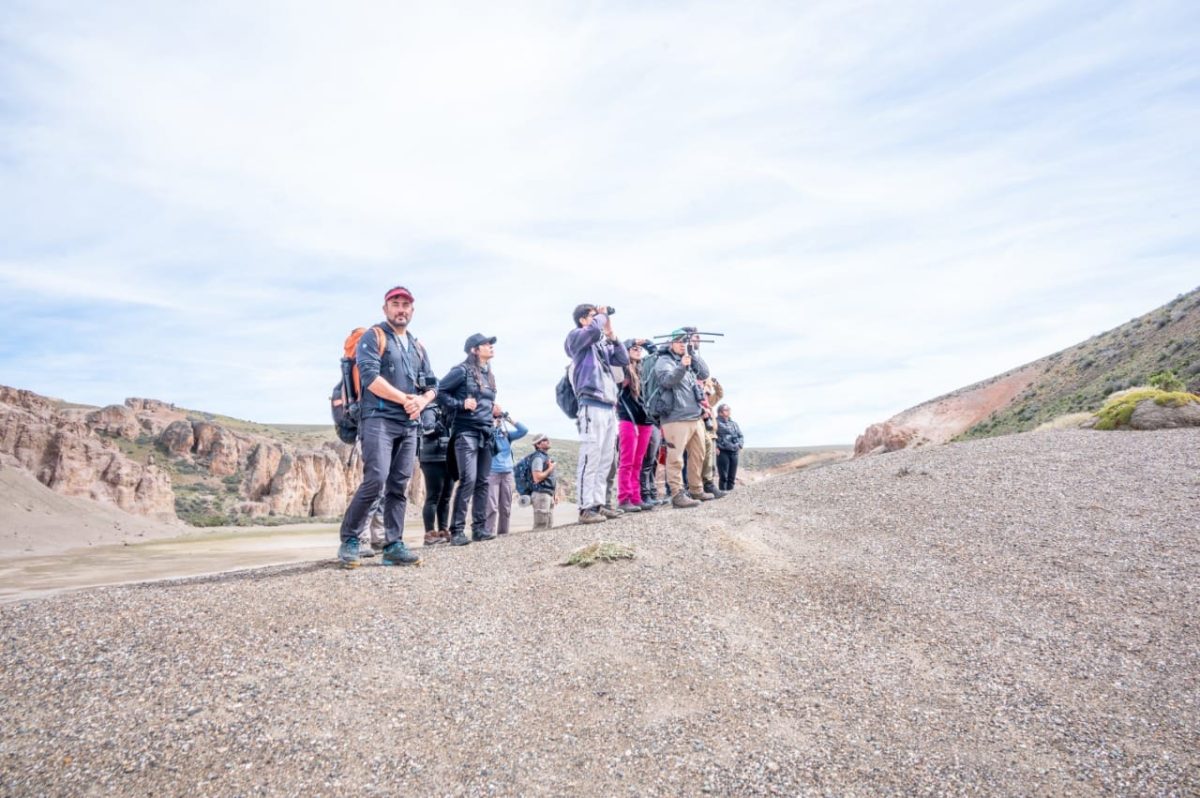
(634, 440)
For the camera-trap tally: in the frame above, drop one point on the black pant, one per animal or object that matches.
(473, 451)
(439, 487)
(649, 464)
(727, 468)
(388, 451)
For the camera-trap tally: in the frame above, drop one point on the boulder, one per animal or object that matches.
(117, 421)
(1150, 415)
(178, 438)
(883, 437)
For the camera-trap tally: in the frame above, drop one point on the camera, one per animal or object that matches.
(607, 310)
(429, 382)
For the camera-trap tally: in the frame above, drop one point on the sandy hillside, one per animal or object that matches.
(36, 520)
(1011, 616)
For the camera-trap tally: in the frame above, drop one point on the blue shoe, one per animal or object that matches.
(348, 553)
(398, 554)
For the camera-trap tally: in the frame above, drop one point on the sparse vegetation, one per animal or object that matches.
(1166, 381)
(1082, 378)
(599, 551)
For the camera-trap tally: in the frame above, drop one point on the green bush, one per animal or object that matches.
(1166, 381)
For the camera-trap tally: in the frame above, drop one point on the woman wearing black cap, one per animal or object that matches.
(468, 393)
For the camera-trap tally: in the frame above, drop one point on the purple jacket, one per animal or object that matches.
(592, 359)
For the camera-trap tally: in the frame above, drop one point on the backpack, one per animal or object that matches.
(656, 400)
(523, 474)
(344, 401)
(564, 394)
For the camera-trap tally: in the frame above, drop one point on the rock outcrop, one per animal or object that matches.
(78, 452)
(1150, 415)
(939, 420)
(64, 453)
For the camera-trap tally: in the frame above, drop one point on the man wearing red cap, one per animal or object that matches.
(397, 385)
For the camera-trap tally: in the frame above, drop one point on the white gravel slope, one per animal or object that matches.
(1015, 616)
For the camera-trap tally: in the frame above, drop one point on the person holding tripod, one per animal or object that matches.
(679, 373)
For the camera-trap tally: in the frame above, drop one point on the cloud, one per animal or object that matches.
(876, 202)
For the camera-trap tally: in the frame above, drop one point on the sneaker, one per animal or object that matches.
(682, 500)
(648, 505)
(716, 492)
(479, 537)
(348, 553)
(459, 539)
(398, 554)
(609, 512)
(591, 517)
(629, 507)
(434, 538)
(365, 549)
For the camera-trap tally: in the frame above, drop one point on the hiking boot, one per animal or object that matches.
(459, 539)
(716, 492)
(365, 549)
(648, 505)
(479, 537)
(609, 512)
(434, 538)
(682, 500)
(348, 553)
(398, 554)
(629, 507)
(591, 517)
(705, 496)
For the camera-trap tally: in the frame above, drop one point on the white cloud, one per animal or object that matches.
(876, 202)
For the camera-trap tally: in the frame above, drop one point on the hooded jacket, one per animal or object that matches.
(592, 359)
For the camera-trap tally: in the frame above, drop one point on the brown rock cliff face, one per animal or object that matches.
(75, 452)
(65, 454)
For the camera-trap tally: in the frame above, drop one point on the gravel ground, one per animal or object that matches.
(1014, 616)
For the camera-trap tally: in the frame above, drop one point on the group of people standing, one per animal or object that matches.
(635, 414)
(459, 434)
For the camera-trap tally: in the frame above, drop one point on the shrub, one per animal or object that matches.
(608, 552)
(1166, 381)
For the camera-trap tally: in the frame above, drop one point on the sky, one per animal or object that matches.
(875, 202)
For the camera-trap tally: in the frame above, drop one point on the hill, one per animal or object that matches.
(1012, 616)
(1074, 380)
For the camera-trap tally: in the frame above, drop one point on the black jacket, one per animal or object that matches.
(729, 435)
(454, 389)
(630, 407)
(434, 443)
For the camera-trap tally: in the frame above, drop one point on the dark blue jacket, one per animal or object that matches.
(403, 369)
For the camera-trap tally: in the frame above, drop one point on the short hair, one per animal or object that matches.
(722, 406)
(580, 312)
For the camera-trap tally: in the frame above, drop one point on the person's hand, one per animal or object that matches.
(496, 411)
(551, 466)
(469, 403)
(686, 361)
(412, 406)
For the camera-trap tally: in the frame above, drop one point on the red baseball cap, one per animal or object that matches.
(399, 291)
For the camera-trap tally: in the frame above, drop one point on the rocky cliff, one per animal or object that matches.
(150, 458)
